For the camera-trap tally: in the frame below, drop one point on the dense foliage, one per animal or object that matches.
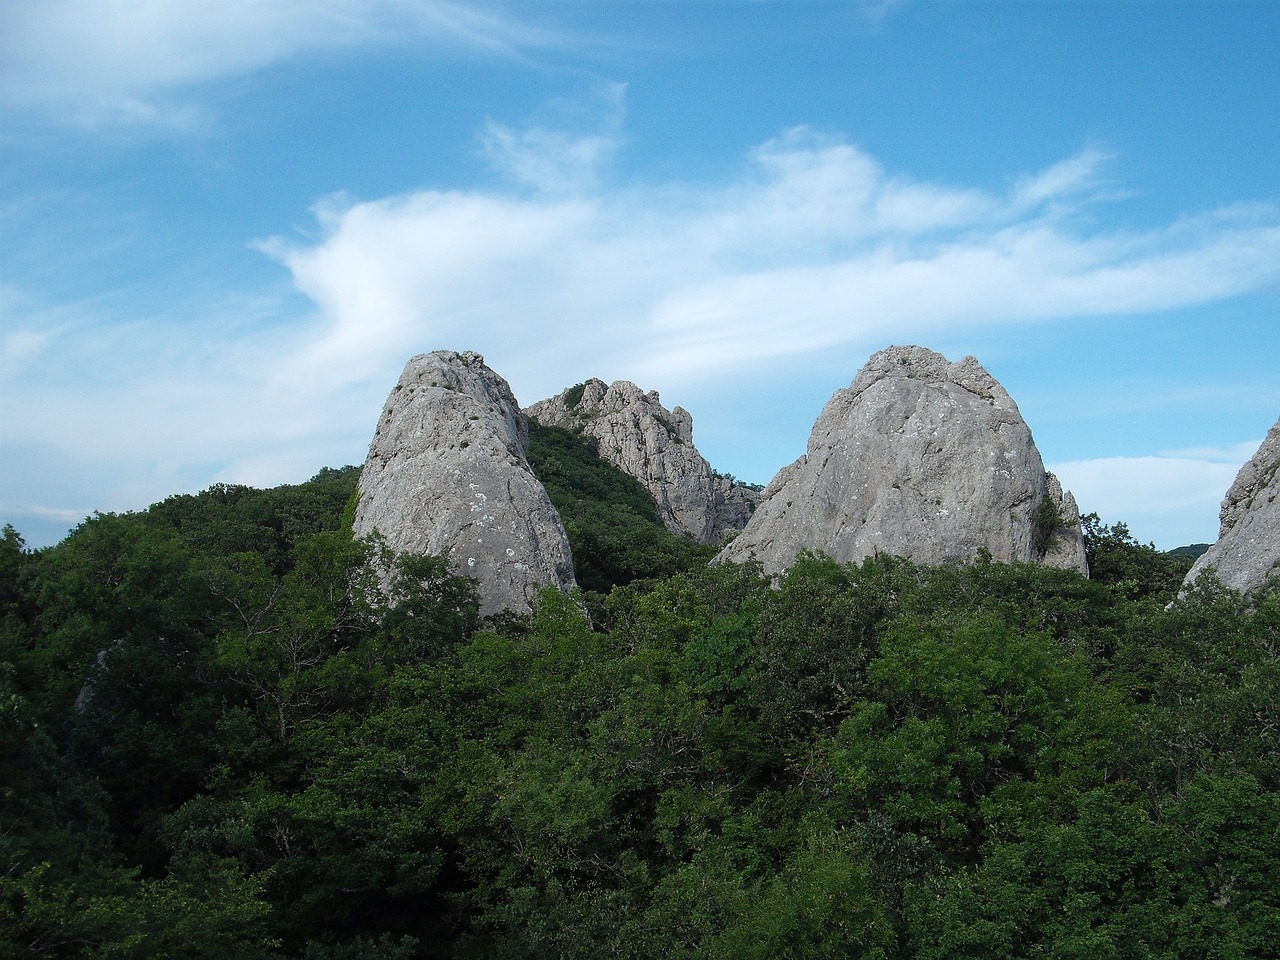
(609, 516)
(221, 736)
(1116, 558)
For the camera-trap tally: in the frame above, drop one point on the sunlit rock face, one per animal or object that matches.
(1248, 547)
(638, 435)
(447, 472)
(920, 458)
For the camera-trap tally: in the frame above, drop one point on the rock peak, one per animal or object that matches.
(927, 366)
(921, 458)
(638, 435)
(1248, 549)
(447, 471)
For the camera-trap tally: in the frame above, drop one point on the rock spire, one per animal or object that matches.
(920, 458)
(638, 435)
(447, 472)
(1248, 547)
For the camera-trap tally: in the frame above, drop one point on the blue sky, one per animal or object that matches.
(226, 226)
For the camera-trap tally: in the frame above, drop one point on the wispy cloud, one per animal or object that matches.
(18, 346)
(1234, 455)
(876, 12)
(813, 247)
(559, 161)
(1171, 499)
(113, 63)
(1069, 177)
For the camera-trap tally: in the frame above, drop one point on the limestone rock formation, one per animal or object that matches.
(447, 471)
(921, 458)
(641, 437)
(1248, 547)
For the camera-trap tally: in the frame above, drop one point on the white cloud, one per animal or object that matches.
(61, 516)
(814, 247)
(1171, 499)
(1235, 455)
(1068, 177)
(876, 12)
(558, 161)
(547, 160)
(105, 63)
(20, 346)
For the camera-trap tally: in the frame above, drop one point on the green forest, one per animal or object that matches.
(230, 730)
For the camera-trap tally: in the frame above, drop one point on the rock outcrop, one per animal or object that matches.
(641, 437)
(1248, 547)
(447, 472)
(921, 458)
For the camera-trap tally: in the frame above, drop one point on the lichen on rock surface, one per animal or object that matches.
(447, 472)
(921, 458)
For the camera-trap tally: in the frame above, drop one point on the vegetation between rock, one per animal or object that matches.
(221, 736)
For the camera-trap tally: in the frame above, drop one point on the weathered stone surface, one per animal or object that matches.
(921, 458)
(641, 437)
(447, 471)
(1248, 547)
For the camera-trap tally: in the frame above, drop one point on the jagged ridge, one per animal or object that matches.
(641, 437)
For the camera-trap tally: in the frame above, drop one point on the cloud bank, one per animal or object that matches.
(813, 246)
(811, 250)
(128, 63)
(1163, 495)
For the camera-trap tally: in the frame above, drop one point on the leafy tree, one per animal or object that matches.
(953, 714)
(1114, 881)
(287, 640)
(427, 609)
(611, 519)
(227, 519)
(816, 634)
(201, 911)
(1047, 526)
(1117, 559)
(17, 603)
(229, 729)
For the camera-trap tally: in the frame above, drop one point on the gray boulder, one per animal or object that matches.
(638, 435)
(920, 458)
(1248, 547)
(447, 472)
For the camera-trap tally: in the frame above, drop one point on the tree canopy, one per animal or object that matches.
(222, 734)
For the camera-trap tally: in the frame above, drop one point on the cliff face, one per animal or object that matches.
(641, 437)
(1248, 547)
(447, 471)
(920, 458)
